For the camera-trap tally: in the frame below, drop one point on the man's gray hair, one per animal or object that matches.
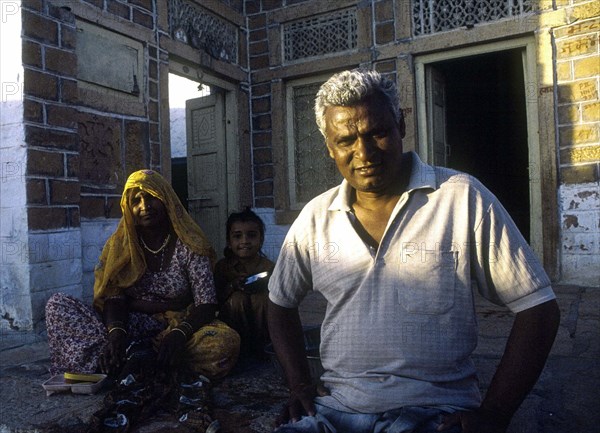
(347, 88)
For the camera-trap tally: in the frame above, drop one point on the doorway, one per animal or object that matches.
(479, 121)
(203, 149)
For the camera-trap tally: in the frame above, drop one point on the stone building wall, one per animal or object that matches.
(82, 130)
(578, 113)
(387, 40)
(65, 161)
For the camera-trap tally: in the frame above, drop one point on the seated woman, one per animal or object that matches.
(244, 306)
(153, 284)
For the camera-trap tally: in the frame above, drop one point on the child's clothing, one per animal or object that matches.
(244, 312)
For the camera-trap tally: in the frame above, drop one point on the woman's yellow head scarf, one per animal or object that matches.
(122, 260)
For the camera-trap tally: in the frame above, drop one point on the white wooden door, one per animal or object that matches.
(206, 153)
(436, 116)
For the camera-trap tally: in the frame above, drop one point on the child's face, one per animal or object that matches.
(244, 239)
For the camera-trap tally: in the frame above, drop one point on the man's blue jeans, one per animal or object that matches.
(410, 419)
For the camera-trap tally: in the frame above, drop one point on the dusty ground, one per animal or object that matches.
(565, 399)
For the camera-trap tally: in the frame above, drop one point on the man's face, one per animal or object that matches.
(365, 140)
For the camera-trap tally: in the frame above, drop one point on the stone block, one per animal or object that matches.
(581, 197)
(259, 62)
(143, 19)
(578, 91)
(588, 67)
(568, 114)
(384, 33)
(258, 35)
(564, 71)
(261, 105)
(61, 115)
(32, 54)
(259, 48)
(590, 112)
(579, 174)
(39, 28)
(579, 28)
(580, 155)
(52, 275)
(69, 91)
(579, 134)
(68, 37)
(45, 163)
(581, 243)
(33, 111)
(262, 139)
(119, 9)
(146, 4)
(61, 61)
(261, 122)
(263, 155)
(580, 221)
(51, 138)
(36, 191)
(40, 84)
(47, 247)
(72, 165)
(577, 46)
(263, 189)
(384, 10)
(64, 192)
(47, 218)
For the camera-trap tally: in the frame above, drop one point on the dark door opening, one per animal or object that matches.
(486, 126)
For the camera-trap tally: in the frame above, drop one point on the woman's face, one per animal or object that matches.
(245, 239)
(148, 211)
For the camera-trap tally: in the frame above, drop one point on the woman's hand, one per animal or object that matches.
(153, 307)
(113, 358)
(172, 344)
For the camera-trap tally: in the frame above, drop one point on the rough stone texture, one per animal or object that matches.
(248, 400)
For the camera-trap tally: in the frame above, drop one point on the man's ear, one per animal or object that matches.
(329, 150)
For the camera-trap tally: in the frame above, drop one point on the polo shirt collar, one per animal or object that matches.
(422, 176)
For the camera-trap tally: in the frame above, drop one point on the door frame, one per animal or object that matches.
(528, 45)
(232, 149)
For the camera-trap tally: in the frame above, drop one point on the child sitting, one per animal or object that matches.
(243, 304)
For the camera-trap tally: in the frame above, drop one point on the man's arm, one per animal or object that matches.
(524, 357)
(287, 337)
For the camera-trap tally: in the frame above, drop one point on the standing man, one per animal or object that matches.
(394, 250)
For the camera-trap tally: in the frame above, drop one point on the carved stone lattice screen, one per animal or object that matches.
(314, 171)
(320, 35)
(432, 16)
(196, 26)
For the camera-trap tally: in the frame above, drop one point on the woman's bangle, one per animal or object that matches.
(179, 330)
(189, 327)
(113, 328)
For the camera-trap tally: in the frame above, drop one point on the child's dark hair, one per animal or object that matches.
(247, 215)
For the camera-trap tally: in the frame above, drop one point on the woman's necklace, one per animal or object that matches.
(162, 247)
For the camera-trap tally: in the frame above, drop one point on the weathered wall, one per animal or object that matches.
(15, 308)
(79, 129)
(578, 112)
(387, 42)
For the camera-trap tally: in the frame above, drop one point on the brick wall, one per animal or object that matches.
(578, 114)
(50, 90)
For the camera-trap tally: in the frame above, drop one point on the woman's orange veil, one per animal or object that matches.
(122, 260)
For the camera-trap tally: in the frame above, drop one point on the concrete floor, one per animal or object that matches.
(564, 400)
